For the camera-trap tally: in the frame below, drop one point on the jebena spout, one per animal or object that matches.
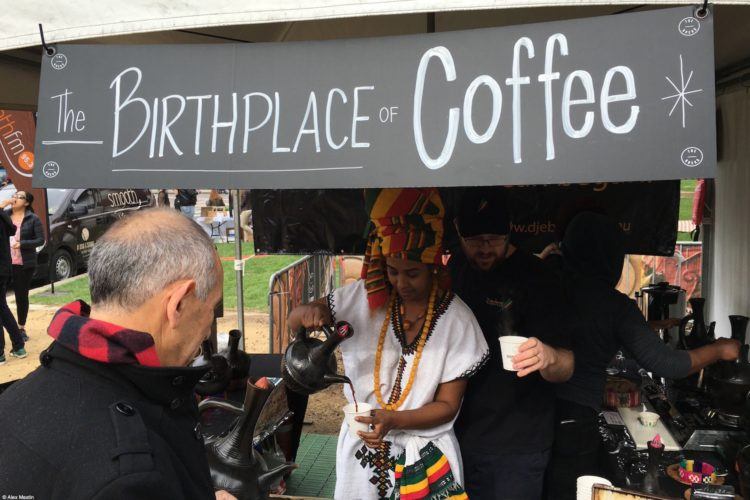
(334, 378)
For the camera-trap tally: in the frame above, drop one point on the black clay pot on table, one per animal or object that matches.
(701, 334)
(216, 379)
(235, 465)
(729, 381)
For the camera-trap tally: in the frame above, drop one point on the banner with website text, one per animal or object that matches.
(334, 220)
(602, 99)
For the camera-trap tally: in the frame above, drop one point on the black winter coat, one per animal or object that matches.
(7, 229)
(32, 236)
(79, 429)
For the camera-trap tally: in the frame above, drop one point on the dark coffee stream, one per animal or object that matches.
(354, 396)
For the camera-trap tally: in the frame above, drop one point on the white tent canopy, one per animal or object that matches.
(193, 21)
(94, 18)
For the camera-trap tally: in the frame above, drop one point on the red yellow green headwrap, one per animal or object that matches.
(406, 223)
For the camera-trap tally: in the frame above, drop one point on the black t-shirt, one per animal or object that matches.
(502, 413)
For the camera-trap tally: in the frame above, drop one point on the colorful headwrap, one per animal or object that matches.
(406, 223)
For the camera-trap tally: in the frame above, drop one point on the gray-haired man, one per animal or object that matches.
(111, 413)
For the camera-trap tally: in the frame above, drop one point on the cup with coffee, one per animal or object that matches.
(359, 410)
(509, 345)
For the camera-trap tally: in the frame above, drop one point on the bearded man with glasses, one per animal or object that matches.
(506, 424)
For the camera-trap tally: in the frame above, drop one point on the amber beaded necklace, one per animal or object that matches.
(417, 356)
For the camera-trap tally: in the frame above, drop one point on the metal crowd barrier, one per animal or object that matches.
(301, 282)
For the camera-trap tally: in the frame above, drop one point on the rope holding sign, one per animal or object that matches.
(47, 48)
(702, 12)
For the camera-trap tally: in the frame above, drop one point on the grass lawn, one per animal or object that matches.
(687, 187)
(258, 271)
(681, 236)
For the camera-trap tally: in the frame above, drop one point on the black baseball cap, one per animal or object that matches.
(483, 211)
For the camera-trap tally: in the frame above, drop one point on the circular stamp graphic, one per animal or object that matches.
(85, 234)
(689, 26)
(692, 156)
(26, 161)
(51, 169)
(59, 61)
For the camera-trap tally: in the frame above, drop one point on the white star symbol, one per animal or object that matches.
(682, 92)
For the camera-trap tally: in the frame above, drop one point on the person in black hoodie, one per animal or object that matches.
(605, 321)
(7, 229)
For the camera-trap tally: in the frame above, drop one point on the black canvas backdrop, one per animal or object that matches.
(334, 220)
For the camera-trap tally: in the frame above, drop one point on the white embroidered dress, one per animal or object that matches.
(455, 349)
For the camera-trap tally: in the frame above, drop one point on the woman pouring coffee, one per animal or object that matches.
(414, 346)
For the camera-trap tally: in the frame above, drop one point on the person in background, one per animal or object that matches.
(507, 419)
(605, 321)
(23, 244)
(185, 201)
(111, 411)
(215, 199)
(7, 229)
(245, 215)
(162, 199)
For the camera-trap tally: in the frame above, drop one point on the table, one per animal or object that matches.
(216, 227)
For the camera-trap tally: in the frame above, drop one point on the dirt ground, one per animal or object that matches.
(324, 409)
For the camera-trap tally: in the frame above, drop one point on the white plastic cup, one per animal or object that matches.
(648, 418)
(585, 486)
(349, 414)
(509, 345)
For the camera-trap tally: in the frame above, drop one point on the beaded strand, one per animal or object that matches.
(417, 356)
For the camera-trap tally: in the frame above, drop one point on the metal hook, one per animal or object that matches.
(47, 48)
(702, 12)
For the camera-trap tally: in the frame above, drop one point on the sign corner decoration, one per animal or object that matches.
(616, 98)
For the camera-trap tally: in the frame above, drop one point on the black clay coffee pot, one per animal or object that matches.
(235, 464)
(237, 359)
(729, 381)
(217, 378)
(310, 364)
(229, 368)
(701, 334)
(739, 327)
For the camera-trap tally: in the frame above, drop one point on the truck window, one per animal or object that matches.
(86, 199)
(55, 197)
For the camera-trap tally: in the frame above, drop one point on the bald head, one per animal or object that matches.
(147, 251)
(150, 222)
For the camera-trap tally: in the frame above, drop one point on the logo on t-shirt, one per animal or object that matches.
(502, 304)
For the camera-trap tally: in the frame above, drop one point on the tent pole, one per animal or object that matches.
(238, 266)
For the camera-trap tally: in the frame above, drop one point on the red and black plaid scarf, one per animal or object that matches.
(99, 340)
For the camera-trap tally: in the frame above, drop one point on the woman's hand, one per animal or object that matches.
(313, 315)
(381, 421)
(5, 203)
